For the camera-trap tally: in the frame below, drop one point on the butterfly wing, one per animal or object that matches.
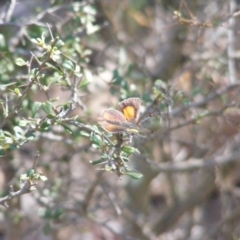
(112, 121)
(131, 109)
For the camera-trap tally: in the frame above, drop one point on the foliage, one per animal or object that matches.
(65, 63)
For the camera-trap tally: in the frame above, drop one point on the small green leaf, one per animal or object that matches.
(96, 139)
(83, 83)
(47, 228)
(47, 214)
(23, 177)
(51, 116)
(19, 133)
(98, 162)
(2, 152)
(35, 108)
(45, 125)
(59, 43)
(133, 174)
(23, 123)
(31, 137)
(43, 178)
(68, 65)
(130, 149)
(84, 133)
(12, 146)
(30, 173)
(17, 91)
(53, 67)
(47, 107)
(125, 159)
(78, 74)
(88, 75)
(20, 62)
(58, 213)
(34, 40)
(69, 130)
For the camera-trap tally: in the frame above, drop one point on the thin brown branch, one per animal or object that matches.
(231, 44)
(197, 164)
(26, 187)
(205, 100)
(226, 220)
(172, 214)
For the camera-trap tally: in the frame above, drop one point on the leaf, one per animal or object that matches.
(125, 159)
(68, 65)
(57, 213)
(98, 162)
(96, 139)
(30, 173)
(53, 67)
(60, 43)
(47, 107)
(23, 177)
(34, 40)
(17, 91)
(83, 82)
(35, 108)
(133, 174)
(31, 137)
(130, 150)
(47, 228)
(2, 152)
(45, 125)
(43, 178)
(69, 130)
(19, 133)
(88, 76)
(20, 62)
(84, 133)
(23, 123)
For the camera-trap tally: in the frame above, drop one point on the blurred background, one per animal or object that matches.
(181, 58)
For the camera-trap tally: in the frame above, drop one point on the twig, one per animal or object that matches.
(31, 82)
(172, 214)
(90, 192)
(205, 100)
(197, 164)
(227, 219)
(26, 188)
(231, 44)
(10, 10)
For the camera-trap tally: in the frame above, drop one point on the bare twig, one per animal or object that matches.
(10, 10)
(197, 164)
(193, 198)
(24, 189)
(231, 44)
(205, 100)
(226, 220)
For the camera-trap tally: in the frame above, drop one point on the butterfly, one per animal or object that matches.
(126, 120)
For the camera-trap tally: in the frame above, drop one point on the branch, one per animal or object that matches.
(197, 164)
(231, 44)
(172, 214)
(26, 188)
(205, 100)
(10, 10)
(226, 220)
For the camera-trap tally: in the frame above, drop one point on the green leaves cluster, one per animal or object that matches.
(116, 153)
